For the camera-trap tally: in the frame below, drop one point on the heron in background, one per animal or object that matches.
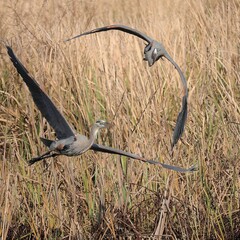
(69, 142)
(153, 51)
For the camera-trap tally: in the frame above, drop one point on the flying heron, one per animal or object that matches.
(69, 142)
(153, 51)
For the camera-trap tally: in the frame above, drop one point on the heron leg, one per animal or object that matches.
(45, 155)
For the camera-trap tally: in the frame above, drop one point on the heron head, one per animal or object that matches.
(102, 124)
(152, 52)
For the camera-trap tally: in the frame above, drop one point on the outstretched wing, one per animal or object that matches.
(182, 116)
(181, 120)
(101, 148)
(105, 149)
(115, 27)
(183, 79)
(42, 101)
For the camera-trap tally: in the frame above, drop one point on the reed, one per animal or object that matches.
(103, 76)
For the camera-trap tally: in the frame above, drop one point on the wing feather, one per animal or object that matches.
(101, 148)
(115, 27)
(42, 101)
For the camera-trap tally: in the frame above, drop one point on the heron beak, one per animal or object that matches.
(108, 125)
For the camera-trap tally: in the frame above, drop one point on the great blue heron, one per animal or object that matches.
(152, 52)
(69, 142)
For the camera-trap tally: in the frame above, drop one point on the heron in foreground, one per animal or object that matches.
(69, 142)
(152, 52)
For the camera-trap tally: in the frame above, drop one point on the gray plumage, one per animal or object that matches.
(69, 142)
(74, 145)
(153, 51)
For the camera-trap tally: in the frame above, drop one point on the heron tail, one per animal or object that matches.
(46, 142)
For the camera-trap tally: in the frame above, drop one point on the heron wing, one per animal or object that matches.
(182, 116)
(101, 148)
(193, 168)
(42, 101)
(115, 27)
(181, 120)
(106, 149)
(183, 79)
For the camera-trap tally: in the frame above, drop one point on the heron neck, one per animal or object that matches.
(93, 135)
(91, 139)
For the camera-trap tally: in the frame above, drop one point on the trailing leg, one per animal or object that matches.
(45, 155)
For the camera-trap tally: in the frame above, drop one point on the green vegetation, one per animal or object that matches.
(96, 195)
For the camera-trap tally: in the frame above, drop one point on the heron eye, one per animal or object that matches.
(100, 122)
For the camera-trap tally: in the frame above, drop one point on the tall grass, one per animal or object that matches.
(103, 76)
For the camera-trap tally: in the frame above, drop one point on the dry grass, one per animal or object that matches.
(103, 76)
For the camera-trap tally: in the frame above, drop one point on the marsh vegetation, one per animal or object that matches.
(98, 195)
